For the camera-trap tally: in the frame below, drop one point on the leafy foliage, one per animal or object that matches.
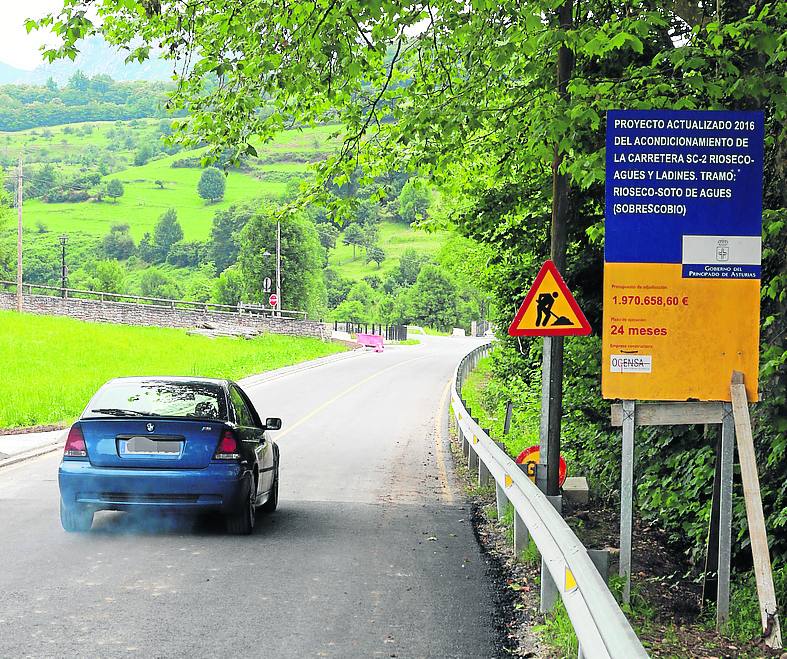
(115, 188)
(118, 243)
(211, 184)
(302, 284)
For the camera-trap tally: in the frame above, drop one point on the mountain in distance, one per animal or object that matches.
(96, 57)
(10, 74)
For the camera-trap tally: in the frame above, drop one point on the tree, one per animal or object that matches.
(211, 184)
(110, 276)
(368, 212)
(146, 249)
(166, 233)
(414, 201)
(187, 254)
(375, 254)
(154, 283)
(229, 287)
(115, 189)
(118, 243)
(350, 311)
(79, 81)
(410, 264)
(159, 183)
(302, 283)
(224, 244)
(353, 235)
(433, 300)
(371, 234)
(145, 153)
(328, 234)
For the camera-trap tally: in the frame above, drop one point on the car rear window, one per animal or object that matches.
(193, 400)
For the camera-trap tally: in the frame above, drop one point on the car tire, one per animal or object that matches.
(242, 521)
(75, 519)
(273, 496)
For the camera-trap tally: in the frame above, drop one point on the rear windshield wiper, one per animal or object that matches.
(115, 411)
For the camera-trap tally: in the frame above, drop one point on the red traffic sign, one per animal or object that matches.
(530, 458)
(549, 308)
(273, 299)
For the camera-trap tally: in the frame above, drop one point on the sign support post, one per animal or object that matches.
(627, 497)
(543, 434)
(727, 459)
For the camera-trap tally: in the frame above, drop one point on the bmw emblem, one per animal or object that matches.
(151, 427)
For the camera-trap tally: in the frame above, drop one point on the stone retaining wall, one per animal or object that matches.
(145, 314)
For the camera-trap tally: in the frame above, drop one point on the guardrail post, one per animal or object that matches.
(465, 444)
(600, 558)
(472, 458)
(483, 474)
(521, 534)
(549, 590)
(500, 492)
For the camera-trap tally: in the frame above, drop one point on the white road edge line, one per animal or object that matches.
(446, 494)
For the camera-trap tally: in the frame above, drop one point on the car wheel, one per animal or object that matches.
(75, 519)
(273, 497)
(242, 521)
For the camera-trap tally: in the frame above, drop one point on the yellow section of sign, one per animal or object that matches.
(549, 308)
(508, 481)
(570, 583)
(670, 338)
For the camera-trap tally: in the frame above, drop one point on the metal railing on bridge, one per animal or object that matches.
(601, 627)
(390, 332)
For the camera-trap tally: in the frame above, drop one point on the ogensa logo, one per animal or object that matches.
(630, 363)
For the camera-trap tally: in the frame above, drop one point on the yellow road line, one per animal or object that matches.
(330, 402)
(446, 493)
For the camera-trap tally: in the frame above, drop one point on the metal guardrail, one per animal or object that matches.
(165, 303)
(601, 627)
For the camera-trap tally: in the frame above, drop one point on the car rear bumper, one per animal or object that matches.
(216, 487)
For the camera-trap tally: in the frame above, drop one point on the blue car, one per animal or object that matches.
(171, 444)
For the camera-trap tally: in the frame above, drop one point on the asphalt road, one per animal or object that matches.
(371, 552)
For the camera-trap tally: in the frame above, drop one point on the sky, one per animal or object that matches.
(17, 47)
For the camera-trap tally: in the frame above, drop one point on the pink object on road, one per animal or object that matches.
(371, 341)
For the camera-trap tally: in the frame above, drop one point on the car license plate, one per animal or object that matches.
(148, 446)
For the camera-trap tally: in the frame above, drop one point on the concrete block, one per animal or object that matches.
(576, 490)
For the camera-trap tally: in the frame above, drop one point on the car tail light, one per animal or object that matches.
(75, 443)
(228, 447)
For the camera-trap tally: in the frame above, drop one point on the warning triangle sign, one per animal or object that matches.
(549, 308)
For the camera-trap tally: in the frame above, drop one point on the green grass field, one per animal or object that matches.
(395, 237)
(53, 365)
(143, 202)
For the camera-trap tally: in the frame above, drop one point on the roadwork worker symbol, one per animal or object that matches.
(549, 308)
(544, 304)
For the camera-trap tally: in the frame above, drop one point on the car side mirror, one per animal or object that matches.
(273, 423)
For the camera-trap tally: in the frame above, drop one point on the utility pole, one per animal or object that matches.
(552, 374)
(278, 268)
(19, 301)
(63, 267)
